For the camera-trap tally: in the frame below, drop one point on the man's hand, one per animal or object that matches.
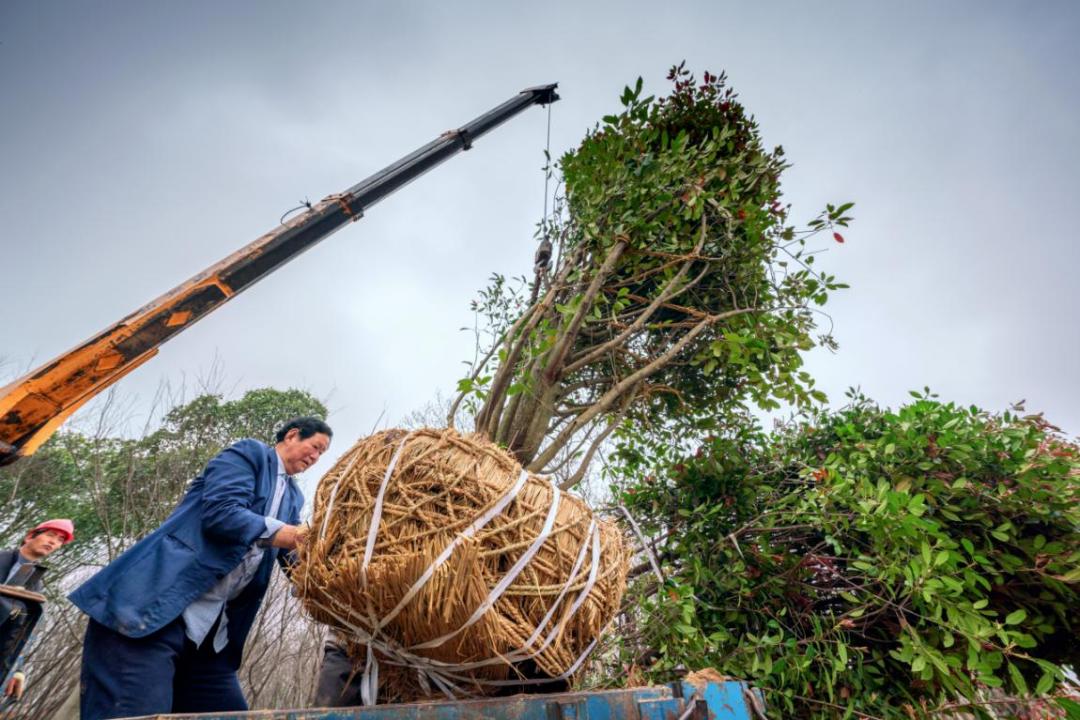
(15, 686)
(289, 537)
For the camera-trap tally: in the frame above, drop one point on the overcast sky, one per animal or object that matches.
(143, 141)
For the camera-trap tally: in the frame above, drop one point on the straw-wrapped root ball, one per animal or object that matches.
(475, 573)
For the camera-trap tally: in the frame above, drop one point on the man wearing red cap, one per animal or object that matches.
(22, 568)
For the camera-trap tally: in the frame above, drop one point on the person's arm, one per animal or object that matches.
(282, 534)
(291, 534)
(16, 683)
(228, 492)
(286, 537)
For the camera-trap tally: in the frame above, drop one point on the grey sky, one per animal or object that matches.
(140, 142)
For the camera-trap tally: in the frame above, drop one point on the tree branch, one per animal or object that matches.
(552, 371)
(663, 296)
(487, 420)
(612, 395)
(596, 443)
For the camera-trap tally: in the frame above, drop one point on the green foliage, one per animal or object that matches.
(868, 561)
(48, 484)
(688, 175)
(678, 285)
(118, 489)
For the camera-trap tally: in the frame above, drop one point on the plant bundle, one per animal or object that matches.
(437, 553)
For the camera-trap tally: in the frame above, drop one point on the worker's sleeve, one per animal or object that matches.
(18, 664)
(272, 526)
(228, 493)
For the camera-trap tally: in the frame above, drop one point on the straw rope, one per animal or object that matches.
(446, 566)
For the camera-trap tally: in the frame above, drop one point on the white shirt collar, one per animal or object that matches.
(280, 464)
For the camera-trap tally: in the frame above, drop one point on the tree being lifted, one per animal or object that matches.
(670, 285)
(667, 285)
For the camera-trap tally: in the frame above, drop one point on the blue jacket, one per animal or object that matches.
(205, 537)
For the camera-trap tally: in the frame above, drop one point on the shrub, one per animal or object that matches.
(868, 561)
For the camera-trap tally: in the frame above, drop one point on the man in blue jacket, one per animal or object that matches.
(169, 617)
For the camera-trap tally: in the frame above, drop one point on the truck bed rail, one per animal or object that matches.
(720, 700)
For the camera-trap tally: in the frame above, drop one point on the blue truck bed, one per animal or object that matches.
(726, 700)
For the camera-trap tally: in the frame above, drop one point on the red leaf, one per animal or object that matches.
(838, 237)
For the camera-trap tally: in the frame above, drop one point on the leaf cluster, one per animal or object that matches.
(868, 562)
(675, 283)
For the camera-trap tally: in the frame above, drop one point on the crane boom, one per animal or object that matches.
(34, 406)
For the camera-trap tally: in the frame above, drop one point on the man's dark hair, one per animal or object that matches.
(307, 426)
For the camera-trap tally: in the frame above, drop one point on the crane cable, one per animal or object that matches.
(542, 259)
(547, 167)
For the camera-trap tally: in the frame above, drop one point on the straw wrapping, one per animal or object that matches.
(441, 560)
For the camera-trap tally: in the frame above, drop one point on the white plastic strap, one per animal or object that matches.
(376, 513)
(329, 509)
(333, 494)
(422, 678)
(468, 532)
(533, 681)
(445, 685)
(645, 545)
(594, 572)
(369, 682)
(565, 676)
(443, 673)
(507, 579)
(440, 672)
(522, 652)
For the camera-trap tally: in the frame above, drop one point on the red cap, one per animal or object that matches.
(61, 525)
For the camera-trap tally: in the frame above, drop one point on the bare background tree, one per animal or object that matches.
(284, 649)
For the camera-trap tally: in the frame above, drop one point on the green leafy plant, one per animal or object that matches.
(668, 283)
(866, 562)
